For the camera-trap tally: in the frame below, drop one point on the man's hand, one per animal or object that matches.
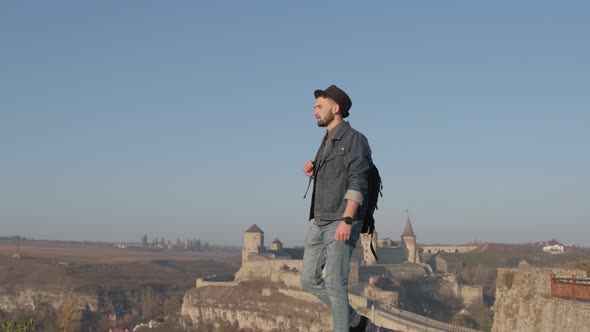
(342, 232)
(308, 168)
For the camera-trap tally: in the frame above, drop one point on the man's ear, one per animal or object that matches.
(336, 109)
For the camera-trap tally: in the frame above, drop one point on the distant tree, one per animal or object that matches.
(483, 316)
(463, 320)
(46, 317)
(69, 314)
(205, 326)
(8, 326)
(172, 305)
(89, 319)
(424, 295)
(104, 324)
(119, 300)
(150, 304)
(28, 325)
(584, 265)
(225, 326)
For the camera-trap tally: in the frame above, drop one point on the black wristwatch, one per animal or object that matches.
(347, 220)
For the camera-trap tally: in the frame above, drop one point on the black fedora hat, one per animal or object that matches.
(340, 97)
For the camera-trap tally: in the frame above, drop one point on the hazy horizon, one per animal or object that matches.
(194, 120)
(267, 242)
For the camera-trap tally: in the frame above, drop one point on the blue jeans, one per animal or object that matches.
(322, 250)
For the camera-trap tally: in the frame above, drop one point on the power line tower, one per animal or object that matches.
(17, 255)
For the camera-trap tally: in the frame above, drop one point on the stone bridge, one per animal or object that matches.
(388, 318)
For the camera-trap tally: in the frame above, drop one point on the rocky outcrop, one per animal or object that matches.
(524, 303)
(255, 305)
(30, 298)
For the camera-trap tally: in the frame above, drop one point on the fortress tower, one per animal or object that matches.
(276, 245)
(253, 242)
(366, 239)
(409, 242)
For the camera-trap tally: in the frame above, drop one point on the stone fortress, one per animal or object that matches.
(404, 259)
(374, 284)
(407, 250)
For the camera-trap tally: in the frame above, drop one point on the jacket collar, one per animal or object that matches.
(339, 130)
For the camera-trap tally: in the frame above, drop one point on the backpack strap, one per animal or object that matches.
(315, 164)
(308, 185)
(373, 249)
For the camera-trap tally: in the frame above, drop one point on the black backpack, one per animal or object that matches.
(375, 187)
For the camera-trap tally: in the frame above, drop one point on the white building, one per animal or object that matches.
(556, 248)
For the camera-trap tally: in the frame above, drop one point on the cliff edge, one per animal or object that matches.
(524, 303)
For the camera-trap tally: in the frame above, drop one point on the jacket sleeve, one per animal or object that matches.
(357, 163)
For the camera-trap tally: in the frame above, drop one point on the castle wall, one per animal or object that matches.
(202, 283)
(281, 270)
(471, 295)
(440, 265)
(289, 278)
(432, 249)
(253, 257)
(398, 271)
(386, 243)
(357, 301)
(391, 255)
(264, 269)
(382, 296)
(353, 276)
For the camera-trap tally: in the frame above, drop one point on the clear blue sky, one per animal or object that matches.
(194, 118)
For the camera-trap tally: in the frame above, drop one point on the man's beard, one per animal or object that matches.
(325, 122)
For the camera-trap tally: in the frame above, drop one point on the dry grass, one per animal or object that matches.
(105, 254)
(118, 278)
(45, 264)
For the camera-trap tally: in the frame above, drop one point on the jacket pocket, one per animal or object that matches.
(337, 151)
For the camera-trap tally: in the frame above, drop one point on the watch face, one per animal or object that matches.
(348, 220)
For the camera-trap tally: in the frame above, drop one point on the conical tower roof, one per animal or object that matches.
(254, 229)
(408, 231)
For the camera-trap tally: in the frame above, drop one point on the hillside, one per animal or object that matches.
(479, 266)
(133, 283)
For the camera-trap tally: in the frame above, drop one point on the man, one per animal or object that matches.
(340, 175)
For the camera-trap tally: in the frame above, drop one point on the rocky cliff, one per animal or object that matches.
(255, 305)
(524, 303)
(30, 298)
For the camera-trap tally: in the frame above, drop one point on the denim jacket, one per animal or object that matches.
(341, 174)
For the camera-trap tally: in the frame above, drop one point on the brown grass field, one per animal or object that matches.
(93, 253)
(79, 266)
